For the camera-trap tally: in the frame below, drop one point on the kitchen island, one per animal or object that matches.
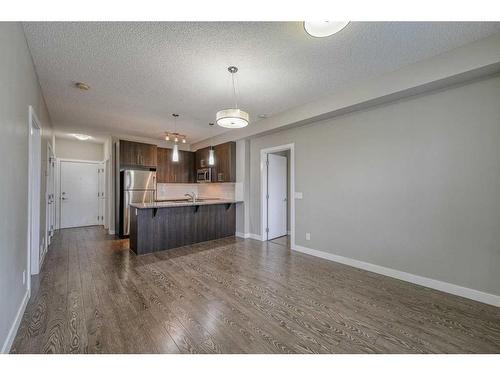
(165, 225)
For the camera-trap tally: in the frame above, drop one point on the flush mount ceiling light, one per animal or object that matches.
(232, 118)
(82, 137)
(82, 86)
(323, 29)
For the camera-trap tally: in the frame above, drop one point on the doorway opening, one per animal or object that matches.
(277, 192)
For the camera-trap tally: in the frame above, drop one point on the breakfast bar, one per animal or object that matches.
(165, 225)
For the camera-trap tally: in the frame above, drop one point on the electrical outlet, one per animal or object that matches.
(24, 277)
(308, 236)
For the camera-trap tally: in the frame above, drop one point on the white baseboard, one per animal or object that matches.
(111, 231)
(249, 235)
(15, 324)
(476, 295)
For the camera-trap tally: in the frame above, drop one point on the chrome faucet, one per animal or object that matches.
(192, 196)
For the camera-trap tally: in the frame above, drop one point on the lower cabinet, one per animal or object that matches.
(156, 229)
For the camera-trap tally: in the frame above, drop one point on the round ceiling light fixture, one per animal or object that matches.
(81, 137)
(232, 118)
(82, 86)
(323, 29)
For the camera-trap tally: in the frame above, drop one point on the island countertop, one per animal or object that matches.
(166, 204)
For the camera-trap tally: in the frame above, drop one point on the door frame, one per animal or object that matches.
(263, 189)
(58, 184)
(34, 195)
(50, 209)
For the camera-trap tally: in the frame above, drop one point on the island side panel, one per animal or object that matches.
(170, 227)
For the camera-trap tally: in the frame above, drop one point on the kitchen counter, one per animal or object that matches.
(178, 203)
(166, 225)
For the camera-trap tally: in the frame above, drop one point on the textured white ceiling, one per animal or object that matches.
(141, 73)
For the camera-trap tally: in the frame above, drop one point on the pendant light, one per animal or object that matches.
(232, 118)
(211, 156)
(175, 153)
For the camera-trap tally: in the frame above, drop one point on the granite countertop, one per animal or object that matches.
(166, 204)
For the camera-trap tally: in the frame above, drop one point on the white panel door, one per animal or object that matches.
(277, 196)
(100, 193)
(79, 188)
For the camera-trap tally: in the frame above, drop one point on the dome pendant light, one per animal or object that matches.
(175, 153)
(232, 118)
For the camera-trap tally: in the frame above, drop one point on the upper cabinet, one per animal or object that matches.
(224, 169)
(135, 154)
(202, 158)
(181, 171)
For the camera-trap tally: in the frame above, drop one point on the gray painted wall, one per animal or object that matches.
(413, 185)
(19, 88)
(80, 150)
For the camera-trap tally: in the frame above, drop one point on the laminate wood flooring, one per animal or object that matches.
(232, 295)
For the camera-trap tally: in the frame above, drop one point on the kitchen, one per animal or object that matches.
(170, 198)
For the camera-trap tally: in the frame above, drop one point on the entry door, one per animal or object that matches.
(79, 199)
(276, 196)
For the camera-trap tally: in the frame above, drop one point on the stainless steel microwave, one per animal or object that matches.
(204, 175)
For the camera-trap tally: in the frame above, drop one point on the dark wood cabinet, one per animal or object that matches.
(168, 171)
(135, 154)
(201, 157)
(156, 229)
(224, 169)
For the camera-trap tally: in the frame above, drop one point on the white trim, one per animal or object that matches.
(254, 236)
(110, 231)
(33, 260)
(15, 324)
(458, 290)
(81, 160)
(263, 184)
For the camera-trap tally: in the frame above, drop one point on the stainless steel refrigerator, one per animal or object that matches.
(136, 186)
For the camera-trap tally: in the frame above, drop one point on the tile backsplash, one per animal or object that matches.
(210, 190)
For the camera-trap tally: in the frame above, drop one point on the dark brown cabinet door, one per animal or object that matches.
(169, 171)
(202, 158)
(137, 154)
(225, 163)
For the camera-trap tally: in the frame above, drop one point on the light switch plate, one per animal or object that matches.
(308, 236)
(298, 195)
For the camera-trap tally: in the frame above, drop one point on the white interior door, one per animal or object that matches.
(100, 192)
(50, 194)
(79, 198)
(276, 196)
